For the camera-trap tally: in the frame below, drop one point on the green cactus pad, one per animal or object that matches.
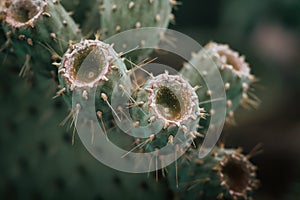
(39, 31)
(118, 16)
(85, 13)
(39, 161)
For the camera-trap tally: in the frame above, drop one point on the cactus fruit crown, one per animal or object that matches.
(94, 56)
(172, 99)
(225, 174)
(25, 13)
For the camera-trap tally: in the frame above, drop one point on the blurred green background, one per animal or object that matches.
(267, 32)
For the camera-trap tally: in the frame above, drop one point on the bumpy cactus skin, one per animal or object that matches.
(234, 71)
(87, 66)
(129, 14)
(85, 13)
(39, 31)
(223, 174)
(172, 102)
(118, 16)
(42, 164)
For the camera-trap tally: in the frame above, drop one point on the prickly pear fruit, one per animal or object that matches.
(39, 31)
(223, 174)
(234, 71)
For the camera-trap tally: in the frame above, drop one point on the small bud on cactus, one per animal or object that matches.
(39, 31)
(223, 174)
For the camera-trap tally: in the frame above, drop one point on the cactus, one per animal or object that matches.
(129, 14)
(165, 108)
(171, 102)
(125, 15)
(223, 174)
(86, 13)
(42, 164)
(39, 31)
(79, 71)
(234, 71)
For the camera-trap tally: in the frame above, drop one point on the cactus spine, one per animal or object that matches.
(173, 103)
(85, 13)
(223, 174)
(39, 31)
(129, 14)
(234, 71)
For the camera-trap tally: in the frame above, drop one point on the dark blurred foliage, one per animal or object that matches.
(268, 33)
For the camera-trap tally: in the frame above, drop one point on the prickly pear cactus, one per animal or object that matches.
(223, 174)
(170, 101)
(43, 164)
(118, 16)
(85, 13)
(129, 14)
(168, 108)
(234, 71)
(39, 31)
(90, 66)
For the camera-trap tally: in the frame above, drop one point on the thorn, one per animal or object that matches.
(56, 64)
(157, 18)
(53, 36)
(245, 87)
(209, 93)
(100, 116)
(114, 67)
(105, 98)
(131, 5)
(29, 42)
(59, 93)
(227, 86)
(85, 95)
(118, 28)
(229, 103)
(151, 119)
(114, 7)
(65, 23)
(46, 14)
(30, 23)
(138, 25)
(197, 87)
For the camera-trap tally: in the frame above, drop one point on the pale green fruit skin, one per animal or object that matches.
(232, 68)
(206, 178)
(42, 39)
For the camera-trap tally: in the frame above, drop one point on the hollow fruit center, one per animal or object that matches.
(236, 175)
(23, 11)
(168, 104)
(88, 65)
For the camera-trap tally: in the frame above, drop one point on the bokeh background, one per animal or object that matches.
(38, 161)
